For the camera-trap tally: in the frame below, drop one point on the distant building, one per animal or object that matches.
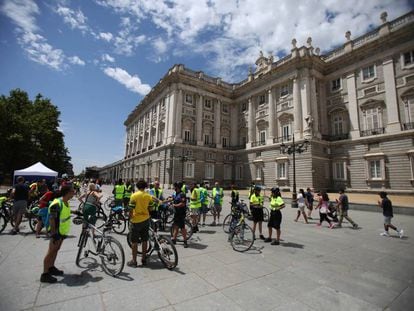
(354, 105)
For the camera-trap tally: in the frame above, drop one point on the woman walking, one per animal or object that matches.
(323, 210)
(301, 206)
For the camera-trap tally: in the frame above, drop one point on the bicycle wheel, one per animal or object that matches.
(3, 222)
(242, 238)
(188, 228)
(265, 214)
(139, 248)
(81, 246)
(167, 252)
(118, 223)
(107, 204)
(100, 217)
(226, 223)
(112, 256)
(169, 215)
(33, 222)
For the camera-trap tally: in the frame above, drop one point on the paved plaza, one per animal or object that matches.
(313, 269)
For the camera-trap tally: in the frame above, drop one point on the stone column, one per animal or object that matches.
(314, 103)
(143, 133)
(178, 117)
(252, 123)
(393, 124)
(305, 101)
(167, 120)
(352, 106)
(217, 123)
(172, 113)
(157, 123)
(199, 120)
(297, 108)
(271, 119)
(234, 121)
(149, 128)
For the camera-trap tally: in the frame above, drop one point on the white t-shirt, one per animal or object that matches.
(301, 199)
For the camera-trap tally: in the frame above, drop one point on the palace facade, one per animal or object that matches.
(348, 114)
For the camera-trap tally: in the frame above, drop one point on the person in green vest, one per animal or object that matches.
(118, 192)
(195, 206)
(256, 208)
(59, 226)
(156, 192)
(276, 204)
(218, 202)
(251, 189)
(129, 190)
(204, 201)
(234, 195)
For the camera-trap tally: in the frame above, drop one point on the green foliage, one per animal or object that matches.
(29, 133)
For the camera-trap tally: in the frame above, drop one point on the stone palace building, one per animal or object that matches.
(327, 121)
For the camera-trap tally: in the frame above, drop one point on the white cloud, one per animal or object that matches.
(108, 58)
(22, 13)
(107, 36)
(132, 83)
(75, 19)
(76, 60)
(160, 45)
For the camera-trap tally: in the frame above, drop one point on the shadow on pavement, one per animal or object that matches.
(158, 265)
(79, 279)
(197, 245)
(291, 244)
(254, 250)
(207, 231)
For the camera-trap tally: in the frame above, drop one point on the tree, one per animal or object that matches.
(29, 133)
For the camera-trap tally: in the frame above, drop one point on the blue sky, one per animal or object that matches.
(96, 59)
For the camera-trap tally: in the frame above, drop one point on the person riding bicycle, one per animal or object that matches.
(140, 222)
(92, 200)
(59, 226)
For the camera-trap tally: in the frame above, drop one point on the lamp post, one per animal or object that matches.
(294, 148)
(183, 158)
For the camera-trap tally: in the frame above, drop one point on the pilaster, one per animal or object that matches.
(393, 124)
(353, 106)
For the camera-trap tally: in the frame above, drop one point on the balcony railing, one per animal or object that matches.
(376, 131)
(211, 145)
(150, 147)
(190, 142)
(282, 139)
(144, 149)
(258, 143)
(236, 147)
(335, 137)
(409, 126)
(159, 143)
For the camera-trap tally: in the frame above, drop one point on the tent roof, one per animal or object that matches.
(37, 169)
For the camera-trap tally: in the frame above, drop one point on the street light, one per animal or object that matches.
(293, 149)
(183, 158)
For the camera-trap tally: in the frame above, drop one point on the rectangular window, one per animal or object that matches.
(372, 119)
(281, 170)
(207, 103)
(224, 141)
(284, 90)
(227, 172)
(368, 72)
(262, 137)
(209, 171)
(258, 172)
(243, 140)
(375, 169)
(189, 169)
(409, 58)
(339, 170)
(225, 108)
(189, 98)
(244, 106)
(262, 99)
(239, 172)
(286, 132)
(336, 84)
(210, 156)
(207, 139)
(187, 135)
(338, 125)
(188, 153)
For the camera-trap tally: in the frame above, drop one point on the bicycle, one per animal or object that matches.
(96, 242)
(161, 244)
(6, 214)
(110, 201)
(241, 235)
(101, 217)
(227, 220)
(117, 220)
(188, 228)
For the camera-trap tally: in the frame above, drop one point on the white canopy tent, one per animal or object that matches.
(34, 172)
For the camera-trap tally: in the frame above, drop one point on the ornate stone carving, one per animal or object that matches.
(294, 43)
(383, 17)
(348, 35)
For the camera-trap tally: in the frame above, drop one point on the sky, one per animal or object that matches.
(97, 59)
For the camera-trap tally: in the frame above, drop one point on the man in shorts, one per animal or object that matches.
(59, 221)
(343, 207)
(140, 222)
(218, 202)
(180, 206)
(20, 194)
(387, 211)
(195, 206)
(309, 202)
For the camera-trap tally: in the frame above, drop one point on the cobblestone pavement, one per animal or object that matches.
(313, 269)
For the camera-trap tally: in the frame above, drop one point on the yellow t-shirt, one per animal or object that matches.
(141, 200)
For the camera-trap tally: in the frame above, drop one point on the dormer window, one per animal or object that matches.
(262, 99)
(336, 85)
(284, 90)
(207, 103)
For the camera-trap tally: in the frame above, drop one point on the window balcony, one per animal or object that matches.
(150, 147)
(282, 139)
(211, 145)
(236, 147)
(144, 149)
(408, 126)
(258, 143)
(335, 137)
(159, 143)
(376, 131)
(190, 142)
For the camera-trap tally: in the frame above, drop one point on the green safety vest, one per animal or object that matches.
(119, 192)
(197, 202)
(64, 216)
(276, 203)
(205, 194)
(154, 205)
(220, 193)
(256, 200)
(128, 191)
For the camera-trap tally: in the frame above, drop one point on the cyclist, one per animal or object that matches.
(59, 221)
(218, 202)
(204, 201)
(20, 194)
(118, 192)
(129, 190)
(256, 208)
(43, 215)
(276, 204)
(140, 222)
(92, 199)
(180, 206)
(195, 206)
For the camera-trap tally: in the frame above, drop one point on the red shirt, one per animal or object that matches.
(47, 197)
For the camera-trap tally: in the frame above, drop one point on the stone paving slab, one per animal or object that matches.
(313, 269)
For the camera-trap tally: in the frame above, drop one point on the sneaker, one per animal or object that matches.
(267, 240)
(174, 241)
(47, 278)
(331, 225)
(275, 242)
(355, 226)
(295, 220)
(143, 262)
(185, 244)
(55, 271)
(385, 233)
(262, 237)
(401, 233)
(213, 224)
(13, 232)
(310, 217)
(203, 224)
(132, 264)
